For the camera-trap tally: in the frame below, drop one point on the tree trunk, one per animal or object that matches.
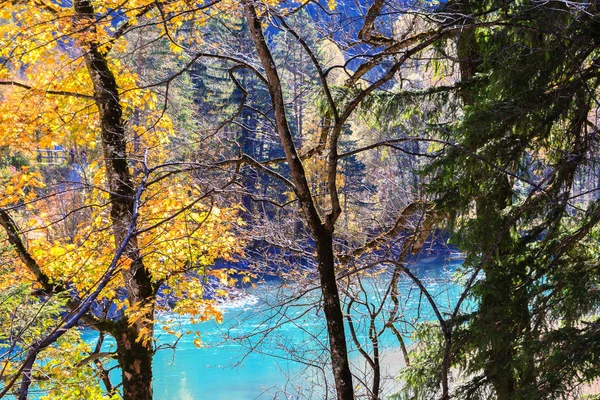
(467, 52)
(334, 316)
(446, 368)
(322, 233)
(136, 360)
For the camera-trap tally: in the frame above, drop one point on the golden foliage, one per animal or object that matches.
(47, 100)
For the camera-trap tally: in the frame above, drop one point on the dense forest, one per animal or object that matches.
(160, 159)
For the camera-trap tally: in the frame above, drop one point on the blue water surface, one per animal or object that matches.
(225, 368)
(268, 350)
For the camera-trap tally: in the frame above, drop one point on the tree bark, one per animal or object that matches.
(136, 360)
(136, 364)
(322, 232)
(467, 53)
(334, 315)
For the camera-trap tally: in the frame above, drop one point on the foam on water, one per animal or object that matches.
(241, 302)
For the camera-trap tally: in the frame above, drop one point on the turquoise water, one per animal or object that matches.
(225, 369)
(238, 360)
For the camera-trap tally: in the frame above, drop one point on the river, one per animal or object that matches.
(237, 361)
(225, 369)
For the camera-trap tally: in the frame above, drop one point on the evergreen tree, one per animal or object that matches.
(509, 179)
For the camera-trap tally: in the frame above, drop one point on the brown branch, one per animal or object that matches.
(124, 28)
(95, 357)
(446, 328)
(49, 287)
(400, 225)
(12, 231)
(367, 33)
(51, 92)
(317, 64)
(302, 188)
(332, 164)
(246, 159)
(416, 40)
